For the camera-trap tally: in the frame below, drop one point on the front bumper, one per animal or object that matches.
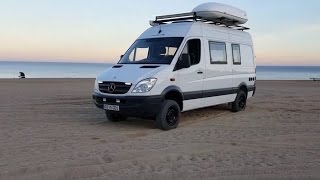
(133, 106)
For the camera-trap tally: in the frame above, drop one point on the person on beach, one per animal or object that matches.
(22, 75)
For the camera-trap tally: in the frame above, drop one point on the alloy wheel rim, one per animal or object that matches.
(242, 102)
(172, 116)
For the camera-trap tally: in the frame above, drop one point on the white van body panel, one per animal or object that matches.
(189, 80)
(163, 80)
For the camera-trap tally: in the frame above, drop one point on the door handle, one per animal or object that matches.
(200, 72)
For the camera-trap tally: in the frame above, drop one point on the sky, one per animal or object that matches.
(285, 32)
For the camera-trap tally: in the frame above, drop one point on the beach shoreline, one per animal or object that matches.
(50, 129)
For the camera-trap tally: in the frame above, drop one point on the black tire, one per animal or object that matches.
(169, 115)
(115, 117)
(240, 103)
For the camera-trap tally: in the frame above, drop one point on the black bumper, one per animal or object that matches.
(252, 88)
(133, 106)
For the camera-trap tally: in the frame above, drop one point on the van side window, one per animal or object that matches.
(218, 53)
(193, 48)
(236, 54)
(194, 51)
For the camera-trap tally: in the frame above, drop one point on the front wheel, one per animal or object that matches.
(240, 103)
(115, 117)
(169, 116)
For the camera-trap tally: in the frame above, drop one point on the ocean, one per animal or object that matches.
(91, 70)
(51, 69)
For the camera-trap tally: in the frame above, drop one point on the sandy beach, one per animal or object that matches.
(50, 129)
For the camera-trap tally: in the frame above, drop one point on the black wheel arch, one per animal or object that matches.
(243, 86)
(173, 93)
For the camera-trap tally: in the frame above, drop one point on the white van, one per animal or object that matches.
(183, 62)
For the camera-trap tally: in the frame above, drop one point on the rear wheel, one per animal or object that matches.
(115, 117)
(240, 103)
(169, 116)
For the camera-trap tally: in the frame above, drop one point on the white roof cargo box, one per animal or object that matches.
(221, 12)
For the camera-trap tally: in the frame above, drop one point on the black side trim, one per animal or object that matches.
(117, 66)
(192, 95)
(220, 92)
(209, 93)
(214, 93)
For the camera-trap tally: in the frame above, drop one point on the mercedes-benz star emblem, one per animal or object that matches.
(111, 88)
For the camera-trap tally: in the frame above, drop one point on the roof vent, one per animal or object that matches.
(117, 66)
(149, 67)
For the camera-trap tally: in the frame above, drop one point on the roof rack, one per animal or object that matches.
(192, 16)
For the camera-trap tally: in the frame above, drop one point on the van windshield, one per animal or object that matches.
(152, 51)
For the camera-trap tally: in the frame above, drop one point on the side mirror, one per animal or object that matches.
(121, 56)
(183, 62)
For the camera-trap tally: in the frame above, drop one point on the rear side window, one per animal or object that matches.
(218, 53)
(236, 54)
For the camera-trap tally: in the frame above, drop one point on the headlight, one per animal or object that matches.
(144, 85)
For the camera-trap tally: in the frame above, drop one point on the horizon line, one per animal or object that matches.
(108, 62)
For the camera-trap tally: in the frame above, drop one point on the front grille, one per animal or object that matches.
(114, 87)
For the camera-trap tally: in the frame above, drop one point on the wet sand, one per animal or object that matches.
(50, 129)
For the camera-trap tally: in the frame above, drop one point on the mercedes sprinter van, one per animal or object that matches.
(183, 62)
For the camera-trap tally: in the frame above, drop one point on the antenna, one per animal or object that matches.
(160, 30)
